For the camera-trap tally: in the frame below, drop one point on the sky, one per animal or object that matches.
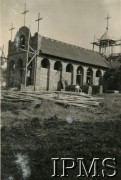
(71, 21)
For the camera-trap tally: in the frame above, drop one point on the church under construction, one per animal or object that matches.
(40, 63)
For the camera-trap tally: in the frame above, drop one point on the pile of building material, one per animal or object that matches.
(64, 98)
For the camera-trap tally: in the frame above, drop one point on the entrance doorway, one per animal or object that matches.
(79, 76)
(89, 76)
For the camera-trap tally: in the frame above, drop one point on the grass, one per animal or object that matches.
(40, 131)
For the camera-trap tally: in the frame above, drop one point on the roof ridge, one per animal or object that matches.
(61, 42)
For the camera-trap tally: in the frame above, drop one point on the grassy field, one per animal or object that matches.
(34, 133)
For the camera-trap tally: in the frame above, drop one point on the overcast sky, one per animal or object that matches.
(71, 21)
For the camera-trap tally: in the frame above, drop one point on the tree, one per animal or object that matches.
(113, 78)
(118, 77)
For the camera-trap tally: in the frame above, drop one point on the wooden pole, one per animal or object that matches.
(35, 67)
(27, 58)
(38, 20)
(24, 13)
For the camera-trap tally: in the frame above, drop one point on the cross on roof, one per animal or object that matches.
(107, 18)
(11, 29)
(38, 20)
(24, 13)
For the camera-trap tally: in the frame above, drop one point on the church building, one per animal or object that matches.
(40, 63)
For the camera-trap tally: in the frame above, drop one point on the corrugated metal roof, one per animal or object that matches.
(75, 53)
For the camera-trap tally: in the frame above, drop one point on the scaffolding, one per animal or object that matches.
(107, 44)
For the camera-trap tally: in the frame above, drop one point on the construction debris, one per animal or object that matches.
(65, 98)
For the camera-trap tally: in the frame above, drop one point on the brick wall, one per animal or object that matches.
(54, 78)
(43, 78)
(17, 80)
(68, 77)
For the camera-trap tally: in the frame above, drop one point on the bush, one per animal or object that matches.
(95, 89)
(113, 79)
(70, 88)
(84, 88)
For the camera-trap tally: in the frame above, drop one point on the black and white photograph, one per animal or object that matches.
(60, 89)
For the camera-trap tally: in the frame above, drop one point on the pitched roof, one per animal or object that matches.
(106, 36)
(70, 52)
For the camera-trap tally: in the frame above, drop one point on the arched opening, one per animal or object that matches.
(19, 74)
(98, 78)
(11, 73)
(20, 67)
(98, 73)
(30, 71)
(69, 70)
(22, 41)
(58, 68)
(79, 76)
(45, 64)
(89, 76)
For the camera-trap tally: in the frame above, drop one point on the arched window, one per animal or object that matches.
(20, 68)
(58, 66)
(98, 73)
(22, 41)
(99, 78)
(69, 68)
(80, 70)
(89, 72)
(45, 63)
(29, 72)
(89, 76)
(79, 77)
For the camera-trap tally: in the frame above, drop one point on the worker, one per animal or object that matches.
(77, 88)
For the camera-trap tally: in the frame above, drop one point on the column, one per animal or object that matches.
(51, 78)
(85, 75)
(37, 69)
(64, 75)
(102, 72)
(94, 76)
(63, 70)
(74, 74)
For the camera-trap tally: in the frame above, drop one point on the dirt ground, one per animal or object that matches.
(33, 133)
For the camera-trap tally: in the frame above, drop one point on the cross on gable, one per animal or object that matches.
(24, 13)
(107, 18)
(11, 29)
(38, 20)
